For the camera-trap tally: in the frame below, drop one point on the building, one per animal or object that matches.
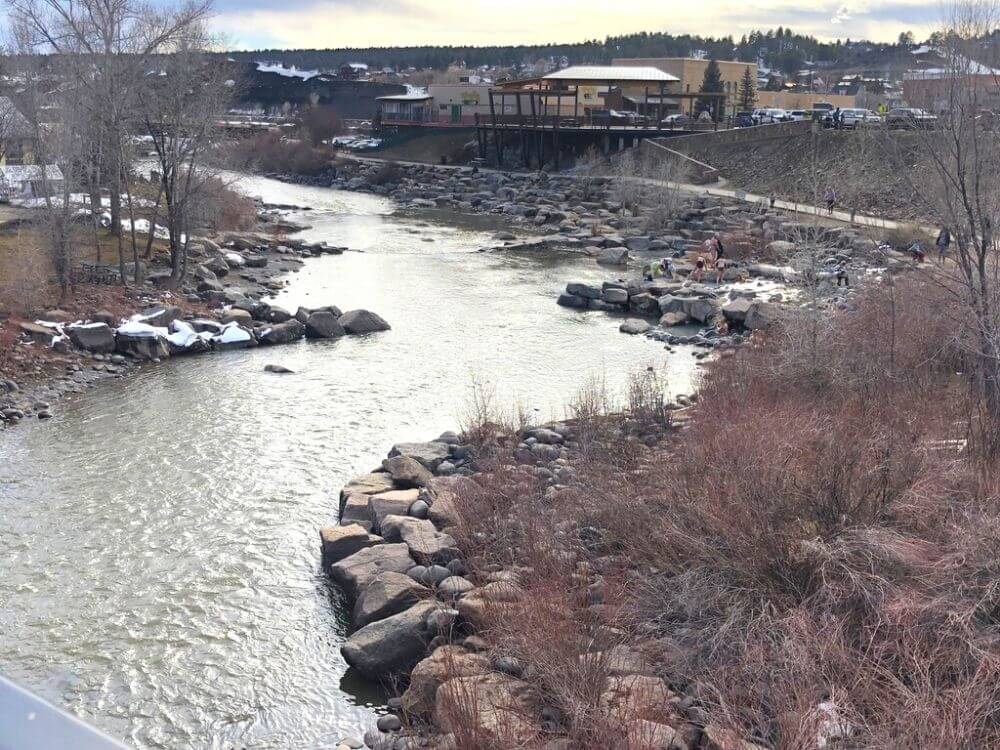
(792, 100)
(25, 181)
(412, 108)
(690, 72)
(931, 88)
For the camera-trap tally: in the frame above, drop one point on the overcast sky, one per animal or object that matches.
(363, 23)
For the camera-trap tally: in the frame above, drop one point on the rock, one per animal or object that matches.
(387, 594)
(236, 315)
(388, 723)
(362, 321)
(427, 544)
(435, 575)
(406, 471)
(675, 318)
(37, 332)
(393, 645)
(443, 664)
(57, 316)
(392, 503)
(356, 572)
(283, 333)
(354, 509)
(571, 300)
(633, 326)
(613, 256)
(481, 606)
(278, 369)
(761, 315)
(636, 696)
(444, 512)
(714, 737)
(453, 587)
(368, 484)
(92, 337)
(736, 309)
(614, 296)
(161, 315)
(430, 455)
(419, 509)
(141, 341)
(493, 706)
(616, 661)
(702, 310)
(644, 304)
(323, 324)
(583, 290)
(339, 542)
(650, 735)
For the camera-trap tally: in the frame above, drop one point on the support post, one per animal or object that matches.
(496, 132)
(520, 127)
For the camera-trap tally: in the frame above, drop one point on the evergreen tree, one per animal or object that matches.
(710, 84)
(748, 91)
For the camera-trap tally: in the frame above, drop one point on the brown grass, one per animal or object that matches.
(811, 546)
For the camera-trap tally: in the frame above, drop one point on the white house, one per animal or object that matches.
(25, 180)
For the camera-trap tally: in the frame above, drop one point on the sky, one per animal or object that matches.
(254, 24)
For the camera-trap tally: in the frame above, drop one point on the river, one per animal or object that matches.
(159, 558)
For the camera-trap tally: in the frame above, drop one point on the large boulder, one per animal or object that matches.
(393, 645)
(354, 509)
(430, 455)
(388, 594)
(761, 315)
(323, 324)
(701, 309)
(494, 706)
(779, 250)
(391, 503)
(613, 256)
(445, 663)
(92, 337)
(644, 304)
(426, 543)
(283, 333)
(736, 309)
(339, 542)
(586, 291)
(142, 341)
(356, 572)
(634, 326)
(615, 296)
(407, 472)
(571, 300)
(362, 321)
(368, 484)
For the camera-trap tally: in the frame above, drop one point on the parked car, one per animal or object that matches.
(910, 118)
(743, 120)
(852, 117)
(770, 115)
(823, 107)
(629, 118)
(799, 114)
(676, 120)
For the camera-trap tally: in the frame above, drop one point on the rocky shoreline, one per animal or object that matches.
(219, 307)
(419, 608)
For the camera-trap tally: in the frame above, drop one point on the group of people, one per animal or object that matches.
(942, 243)
(714, 257)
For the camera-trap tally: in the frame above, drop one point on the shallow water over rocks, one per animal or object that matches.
(158, 550)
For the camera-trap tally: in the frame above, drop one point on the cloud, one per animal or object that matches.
(371, 23)
(842, 15)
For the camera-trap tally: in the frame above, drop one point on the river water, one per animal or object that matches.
(159, 566)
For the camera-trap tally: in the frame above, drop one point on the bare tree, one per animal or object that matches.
(180, 110)
(963, 194)
(114, 45)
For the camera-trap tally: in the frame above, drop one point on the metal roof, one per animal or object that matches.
(610, 73)
(408, 97)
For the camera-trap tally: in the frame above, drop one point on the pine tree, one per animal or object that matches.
(748, 91)
(711, 84)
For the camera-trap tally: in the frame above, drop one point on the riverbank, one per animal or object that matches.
(749, 580)
(106, 332)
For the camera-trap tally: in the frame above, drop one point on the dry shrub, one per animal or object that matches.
(813, 556)
(388, 173)
(221, 208)
(270, 152)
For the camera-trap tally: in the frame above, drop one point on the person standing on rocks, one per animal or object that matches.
(943, 242)
(667, 265)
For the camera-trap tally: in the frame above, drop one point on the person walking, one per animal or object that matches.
(830, 198)
(772, 199)
(943, 242)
